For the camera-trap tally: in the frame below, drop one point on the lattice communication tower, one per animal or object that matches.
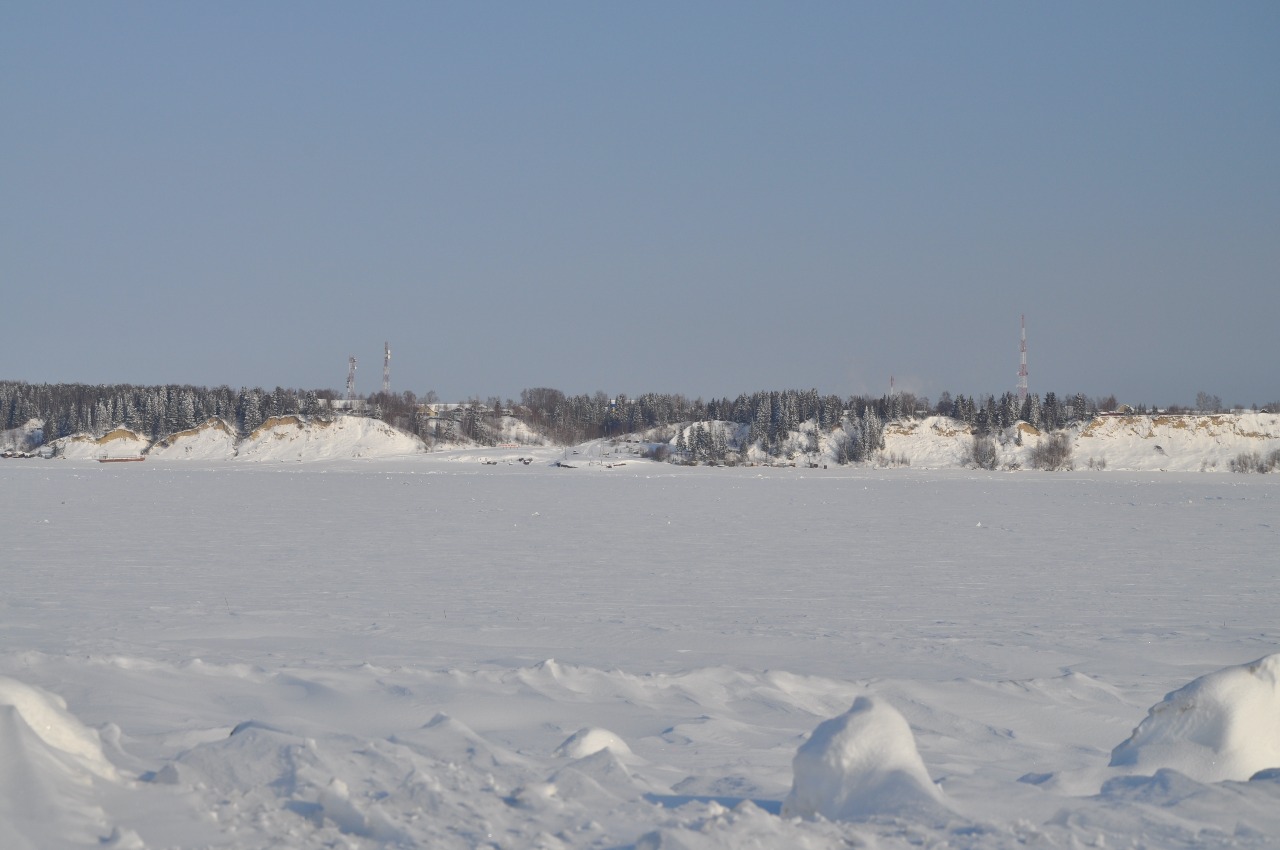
(386, 368)
(1022, 367)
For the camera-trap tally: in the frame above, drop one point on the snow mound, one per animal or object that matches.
(255, 756)
(447, 738)
(589, 741)
(46, 715)
(1222, 726)
(49, 762)
(600, 779)
(861, 764)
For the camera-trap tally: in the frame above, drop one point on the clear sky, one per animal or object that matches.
(706, 198)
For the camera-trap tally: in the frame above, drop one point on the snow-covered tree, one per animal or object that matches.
(1080, 407)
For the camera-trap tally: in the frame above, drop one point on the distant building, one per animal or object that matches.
(357, 406)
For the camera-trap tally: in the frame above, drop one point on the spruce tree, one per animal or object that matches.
(1080, 407)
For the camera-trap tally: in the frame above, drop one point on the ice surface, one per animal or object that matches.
(355, 653)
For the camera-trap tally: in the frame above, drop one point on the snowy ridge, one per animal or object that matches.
(1134, 442)
(214, 439)
(278, 439)
(289, 438)
(284, 438)
(120, 442)
(1184, 443)
(1163, 442)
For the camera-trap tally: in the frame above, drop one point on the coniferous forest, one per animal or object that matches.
(769, 417)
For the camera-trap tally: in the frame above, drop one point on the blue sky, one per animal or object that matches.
(705, 198)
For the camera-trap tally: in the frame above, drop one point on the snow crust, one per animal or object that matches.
(860, 764)
(1224, 725)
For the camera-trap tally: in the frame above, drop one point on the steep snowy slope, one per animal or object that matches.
(214, 440)
(1181, 443)
(118, 443)
(292, 438)
(1184, 443)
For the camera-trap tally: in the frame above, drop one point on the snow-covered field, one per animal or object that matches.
(427, 651)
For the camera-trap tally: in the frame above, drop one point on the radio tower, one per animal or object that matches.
(351, 379)
(1022, 368)
(386, 368)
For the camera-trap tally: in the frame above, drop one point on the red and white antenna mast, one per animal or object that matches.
(386, 368)
(351, 379)
(1022, 368)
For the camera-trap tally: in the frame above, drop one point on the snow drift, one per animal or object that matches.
(1223, 726)
(861, 764)
(46, 715)
(591, 740)
(48, 763)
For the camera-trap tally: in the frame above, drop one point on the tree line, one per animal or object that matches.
(770, 420)
(153, 411)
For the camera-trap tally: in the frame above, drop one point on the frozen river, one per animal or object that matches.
(710, 618)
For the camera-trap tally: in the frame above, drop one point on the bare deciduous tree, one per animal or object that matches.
(982, 452)
(1052, 453)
